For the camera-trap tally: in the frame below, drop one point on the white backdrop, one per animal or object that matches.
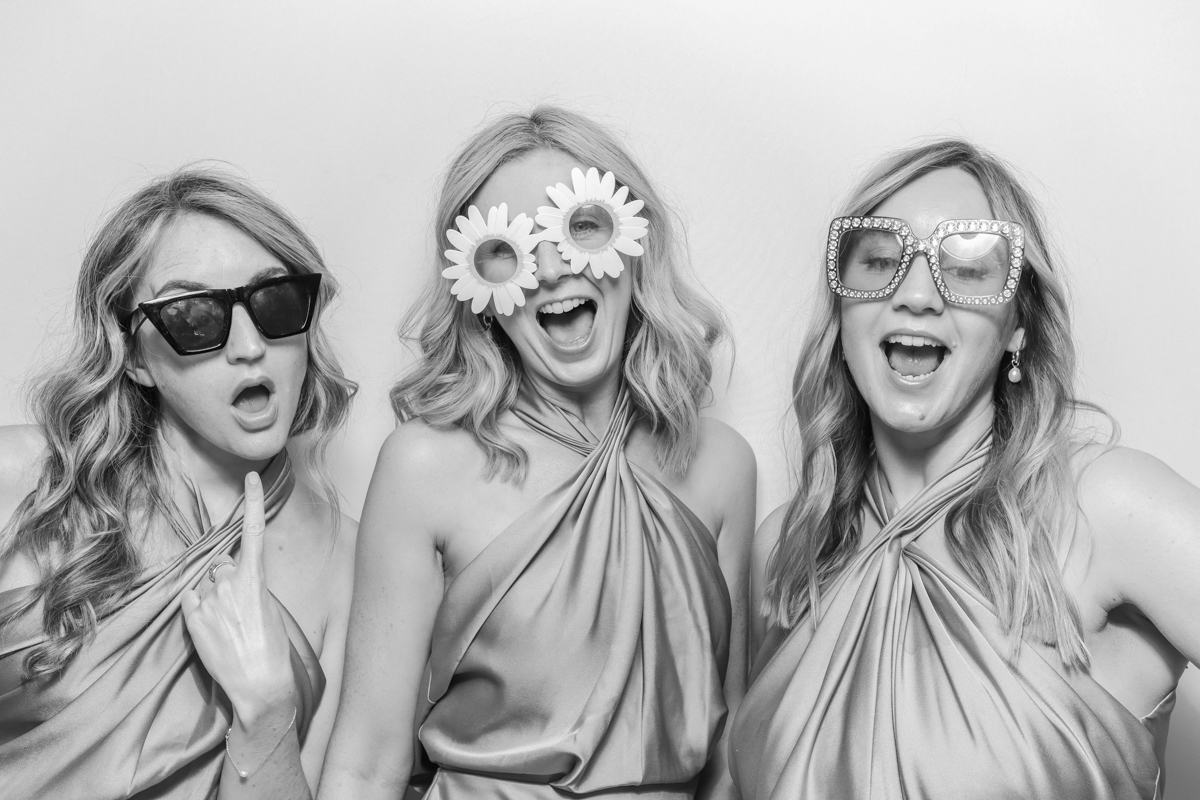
(755, 117)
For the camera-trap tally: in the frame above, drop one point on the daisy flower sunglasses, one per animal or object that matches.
(592, 223)
(973, 261)
(199, 322)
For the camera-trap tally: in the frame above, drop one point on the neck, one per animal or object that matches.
(218, 474)
(912, 460)
(593, 404)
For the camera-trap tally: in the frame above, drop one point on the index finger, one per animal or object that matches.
(254, 525)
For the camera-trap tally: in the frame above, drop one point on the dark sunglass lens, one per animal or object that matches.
(283, 309)
(195, 323)
(869, 259)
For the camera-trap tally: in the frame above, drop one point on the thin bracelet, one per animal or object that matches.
(242, 772)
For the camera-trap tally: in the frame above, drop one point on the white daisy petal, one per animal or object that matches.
(634, 222)
(607, 184)
(579, 261)
(597, 267)
(504, 303)
(618, 198)
(461, 242)
(529, 242)
(525, 280)
(479, 303)
(631, 208)
(561, 196)
(478, 221)
(465, 226)
(520, 227)
(580, 184)
(553, 234)
(457, 256)
(612, 263)
(627, 246)
(633, 233)
(515, 293)
(592, 185)
(455, 272)
(463, 288)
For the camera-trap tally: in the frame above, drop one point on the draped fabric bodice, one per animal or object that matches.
(908, 687)
(584, 650)
(134, 713)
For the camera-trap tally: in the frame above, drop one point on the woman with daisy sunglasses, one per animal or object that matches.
(173, 596)
(968, 596)
(550, 593)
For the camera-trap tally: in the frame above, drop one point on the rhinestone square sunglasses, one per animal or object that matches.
(199, 322)
(973, 261)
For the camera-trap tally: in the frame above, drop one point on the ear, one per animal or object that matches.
(135, 367)
(1016, 341)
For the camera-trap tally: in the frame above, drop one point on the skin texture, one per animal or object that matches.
(1131, 562)
(302, 558)
(429, 510)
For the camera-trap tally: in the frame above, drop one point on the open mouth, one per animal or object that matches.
(913, 356)
(568, 322)
(252, 399)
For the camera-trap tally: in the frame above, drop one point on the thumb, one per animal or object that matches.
(254, 526)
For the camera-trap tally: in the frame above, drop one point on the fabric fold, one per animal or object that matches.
(135, 714)
(584, 650)
(905, 688)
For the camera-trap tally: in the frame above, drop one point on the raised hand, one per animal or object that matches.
(236, 627)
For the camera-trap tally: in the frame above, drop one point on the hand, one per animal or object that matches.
(235, 623)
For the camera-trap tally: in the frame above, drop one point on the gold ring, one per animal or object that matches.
(212, 568)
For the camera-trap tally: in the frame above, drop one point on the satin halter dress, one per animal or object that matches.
(583, 652)
(904, 689)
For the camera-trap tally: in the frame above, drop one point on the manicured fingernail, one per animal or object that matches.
(252, 478)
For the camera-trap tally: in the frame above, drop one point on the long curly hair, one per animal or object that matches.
(467, 377)
(104, 476)
(1007, 530)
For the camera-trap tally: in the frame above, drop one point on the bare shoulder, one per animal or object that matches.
(1142, 516)
(420, 452)
(723, 456)
(1122, 486)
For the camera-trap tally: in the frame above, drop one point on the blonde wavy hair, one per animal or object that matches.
(467, 377)
(104, 476)
(1007, 531)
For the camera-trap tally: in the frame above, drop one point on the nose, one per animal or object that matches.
(245, 342)
(551, 266)
(917, 292)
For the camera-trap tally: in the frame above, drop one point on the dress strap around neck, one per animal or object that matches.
(566, 428)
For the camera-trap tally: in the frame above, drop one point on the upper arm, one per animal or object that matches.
(764, 545)
(1145, 524)
(731, 474)
(397, 591)
(22, 448)
(333, 649)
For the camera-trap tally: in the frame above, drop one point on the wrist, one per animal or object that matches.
(264, 708)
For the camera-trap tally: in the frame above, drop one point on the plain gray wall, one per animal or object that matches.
(755, 118)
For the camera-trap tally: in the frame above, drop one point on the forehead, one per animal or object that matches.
(522, 183)
(948, 193)
(205, 250)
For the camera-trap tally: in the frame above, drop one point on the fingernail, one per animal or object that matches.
(252, 478)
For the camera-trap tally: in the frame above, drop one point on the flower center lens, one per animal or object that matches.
(495, 260)
(591, 227)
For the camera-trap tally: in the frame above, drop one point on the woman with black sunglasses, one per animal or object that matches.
(173, 596)
(969, 595)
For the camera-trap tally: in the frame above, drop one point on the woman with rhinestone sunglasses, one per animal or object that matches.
(968, 596)
(553, 541)
(173, 596)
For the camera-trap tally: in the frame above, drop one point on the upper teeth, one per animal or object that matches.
(912, 341)
(561, 306)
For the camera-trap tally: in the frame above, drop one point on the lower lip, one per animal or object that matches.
(260, 420)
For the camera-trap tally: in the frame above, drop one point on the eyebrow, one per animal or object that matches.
(180, 285)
